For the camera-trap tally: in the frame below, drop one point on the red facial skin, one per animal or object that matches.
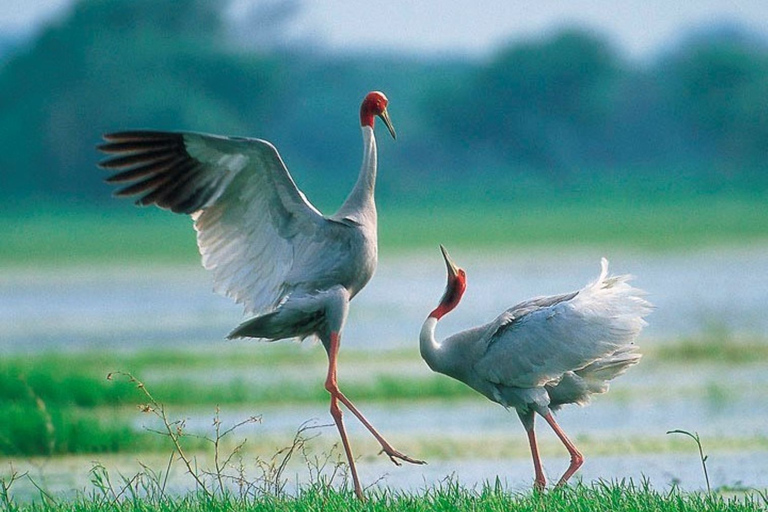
(374, 104)
(454, 290)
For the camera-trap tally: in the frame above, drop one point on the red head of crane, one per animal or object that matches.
(294, 269)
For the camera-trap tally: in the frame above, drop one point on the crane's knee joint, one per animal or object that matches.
(336, 411)
(331, 387)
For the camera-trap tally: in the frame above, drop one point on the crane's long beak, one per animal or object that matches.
(454, 288)
(453, 270)
(385, 117)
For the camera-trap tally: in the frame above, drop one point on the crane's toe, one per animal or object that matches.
(395, 456)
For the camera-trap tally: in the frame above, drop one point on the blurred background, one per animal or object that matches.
(510, 104)
(533, 138)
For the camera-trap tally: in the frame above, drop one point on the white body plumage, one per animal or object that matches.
(548, 350)
(544, 352)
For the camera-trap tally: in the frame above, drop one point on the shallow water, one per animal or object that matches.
(137, 306)
(106, 308)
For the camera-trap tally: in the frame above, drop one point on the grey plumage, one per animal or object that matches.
(542, 353)
(265, 243)
(294, 269)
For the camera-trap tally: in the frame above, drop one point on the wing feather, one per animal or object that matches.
(537, 341)
(252, 222)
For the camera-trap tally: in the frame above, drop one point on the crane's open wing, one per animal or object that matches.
(535, 342)
(251, 219)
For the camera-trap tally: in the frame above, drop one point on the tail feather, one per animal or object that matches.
(615, 293)
(577, 387)
(278, 325)
(611, 366)
(258, 327)
(615, 309)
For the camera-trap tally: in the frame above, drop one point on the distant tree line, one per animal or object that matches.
(557, 108)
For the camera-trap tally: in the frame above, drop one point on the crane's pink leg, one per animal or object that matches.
(577, 459)
(393, 454)
(333, 389)
(385, 446)
(541, 481)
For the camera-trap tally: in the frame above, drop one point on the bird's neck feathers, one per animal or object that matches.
(428, 345)
(359, 205)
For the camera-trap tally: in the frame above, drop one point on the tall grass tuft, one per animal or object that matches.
(702, 457)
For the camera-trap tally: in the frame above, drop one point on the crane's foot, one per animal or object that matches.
(576, 461)
(395, 456)
(540, 484)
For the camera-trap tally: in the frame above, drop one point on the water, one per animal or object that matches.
(137, 306)
(725, 289)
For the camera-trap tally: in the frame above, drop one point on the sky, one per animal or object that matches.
(639, 28)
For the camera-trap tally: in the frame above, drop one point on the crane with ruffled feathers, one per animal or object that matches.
(542, 353)
(293, 269)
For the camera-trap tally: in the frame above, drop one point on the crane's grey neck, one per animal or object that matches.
(428, 345)
(359, 205)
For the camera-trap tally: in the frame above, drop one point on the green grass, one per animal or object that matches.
(32, 428)
(28, 429)
(38, 389)
(448, 496)
(48, 401)
(61, 235)
(74, 235)
(714, 345)
(79, 379)
(683, 224)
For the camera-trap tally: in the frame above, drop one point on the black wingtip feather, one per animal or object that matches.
(194, 202)
(135, 146)
(158, 166)
(134, 159)
(142, 186)
(167, 196)
(140, 135)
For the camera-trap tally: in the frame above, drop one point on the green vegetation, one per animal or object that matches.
(73, 235)
(556, 141)
(448, 496)
(715, 345)
(49, 401)
(63, 403)
(702, 457)
(33, 430)
(557, 117)
(622, 222)
(41, 388)
(79, 380)
(84, 235)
